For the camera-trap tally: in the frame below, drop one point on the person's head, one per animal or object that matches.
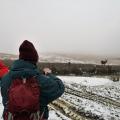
(28, 52)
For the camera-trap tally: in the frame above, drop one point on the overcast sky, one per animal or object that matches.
(70, 26)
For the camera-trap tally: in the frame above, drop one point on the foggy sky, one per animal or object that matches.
(70, 26)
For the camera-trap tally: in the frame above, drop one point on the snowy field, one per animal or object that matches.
(100, 86)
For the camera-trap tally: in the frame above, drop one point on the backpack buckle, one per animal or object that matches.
(24, 80)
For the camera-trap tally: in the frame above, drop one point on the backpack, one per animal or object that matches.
(24, 99)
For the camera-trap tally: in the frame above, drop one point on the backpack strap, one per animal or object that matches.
(37, 116)
(10, 116)
(41, 117)
(33, 116)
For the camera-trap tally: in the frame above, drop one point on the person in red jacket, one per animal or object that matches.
(3, 69)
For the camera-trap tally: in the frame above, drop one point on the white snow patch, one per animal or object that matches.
(86, 81)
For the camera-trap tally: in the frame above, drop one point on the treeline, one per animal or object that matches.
(77, 69)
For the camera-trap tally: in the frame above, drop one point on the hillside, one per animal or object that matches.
(65, 58)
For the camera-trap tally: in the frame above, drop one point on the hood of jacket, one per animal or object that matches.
(21, 68)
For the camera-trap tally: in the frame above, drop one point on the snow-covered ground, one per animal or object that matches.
(86, 81)
(101, 86)
(1, 107)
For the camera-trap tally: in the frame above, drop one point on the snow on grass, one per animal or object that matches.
(111, 91)
(1, 107)
(56, 115)
(89, 106)
(86, 81)
(101, 86)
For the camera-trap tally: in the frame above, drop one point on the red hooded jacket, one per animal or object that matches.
(3, 69)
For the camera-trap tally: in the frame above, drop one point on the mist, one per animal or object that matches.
(61, 26)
